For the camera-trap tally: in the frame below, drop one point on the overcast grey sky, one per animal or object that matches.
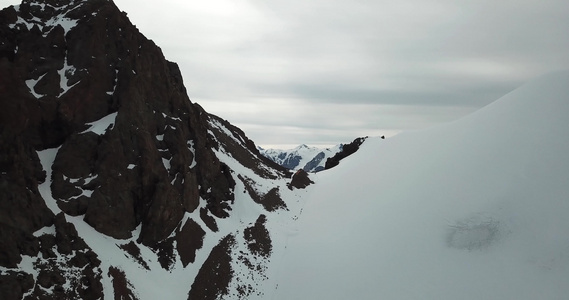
(324, 72)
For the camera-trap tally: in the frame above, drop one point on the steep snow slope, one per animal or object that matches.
(474, 209)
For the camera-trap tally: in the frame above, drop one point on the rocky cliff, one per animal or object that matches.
(97, 132)
(347, 150)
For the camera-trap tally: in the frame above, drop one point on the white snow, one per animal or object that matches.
(193, 150)
(244, 213)
(46, 27)
(166, 163)
(45, 230)
(172, 118)
(22, 21)
(100, 126)
(47, 157)
(474, 209)
(60, 19)
(65, 22)
(90, 178)
(86, 193)
(216, 124)
(31, 83)
(64, 82)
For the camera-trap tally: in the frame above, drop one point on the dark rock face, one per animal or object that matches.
(215, 274)
(68, 267)
(188, 240)
(152, 163)
(22, 209)
(131, 150)
(122, 288)
(258, 238)
(134, 251)
(347, 150)
(270, 200)
(165, 252)
(300, 180)
(14, 284)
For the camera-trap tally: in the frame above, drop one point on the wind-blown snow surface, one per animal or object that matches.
(474, 209)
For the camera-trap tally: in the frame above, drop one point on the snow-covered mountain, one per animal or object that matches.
(310, 159)
(473, 209)
(114, 185)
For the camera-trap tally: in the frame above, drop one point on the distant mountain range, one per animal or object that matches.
(310, 159)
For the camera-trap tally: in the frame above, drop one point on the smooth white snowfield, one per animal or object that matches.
(474, 209)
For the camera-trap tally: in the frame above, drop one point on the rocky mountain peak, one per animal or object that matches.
(97, 124)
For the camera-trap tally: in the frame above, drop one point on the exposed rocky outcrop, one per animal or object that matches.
(122, 288)
(134, 251)
(188, 240)
(22, 209)
(214, 276)
(347, 150)
(157, 130)
(270, 200)
(66, 268)
(14, 284)
(149, 166)
(258, 238)
(300, 180)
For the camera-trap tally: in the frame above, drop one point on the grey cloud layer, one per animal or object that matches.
(309, 71)
(317, 71)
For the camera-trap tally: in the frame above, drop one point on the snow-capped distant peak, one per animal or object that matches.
(310, 159)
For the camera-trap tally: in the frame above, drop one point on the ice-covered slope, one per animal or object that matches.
(474, 209)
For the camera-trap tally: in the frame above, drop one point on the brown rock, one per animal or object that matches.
(347, 150)
(189, 239)
(258, 238)
(300, 180)
(13, 285)
(208, 220)
(271, 200)
(121, 286)
(215, 274)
